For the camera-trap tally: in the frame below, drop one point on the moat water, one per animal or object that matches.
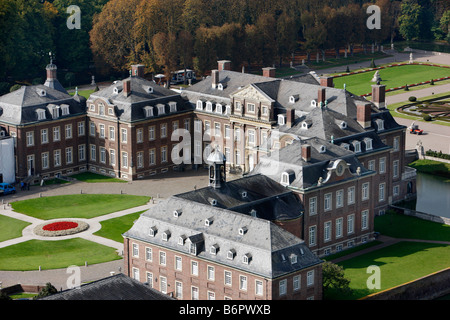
(433, 195)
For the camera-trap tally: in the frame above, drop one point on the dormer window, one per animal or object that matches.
(346, 146)
(227, 109)
(54, 110)
(212, 201)
(177, 213)
(244, 194)
(343, 125)
(173, 107)
(65, 109)
(148, 111)
(285, 179)
(231, 254)
(214, 249)
(209, 106)
(161, 109)
(116, 90)
(181, 240)
(322, 149)
(41, 114)
(380, 124)
(199, 105)
(41, 92)
(368, 143)
(219, 108)
(253, 213)
(166, 235)
(356, 146)
(281, 119)
(148, 89)
(208, 222)
(306, 124)
(246, 258)
(293, 258)
(220, 86)
(152, 231)
(293, 99)
(243, 231)
(313, 103)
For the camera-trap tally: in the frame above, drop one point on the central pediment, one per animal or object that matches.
(250, 92)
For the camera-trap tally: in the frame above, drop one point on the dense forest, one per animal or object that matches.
(167, 35)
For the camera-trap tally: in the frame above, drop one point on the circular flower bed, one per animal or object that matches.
(60, 228)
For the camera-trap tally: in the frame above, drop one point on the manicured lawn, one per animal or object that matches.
(83, 93)
(78, 205)
(406, 227)
(432, 167)
(113, 228)
(31, 254)
(399, 263)
(11, 228)
(392, 77)
(94, 178)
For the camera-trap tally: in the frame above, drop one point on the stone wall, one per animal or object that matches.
(429, 287)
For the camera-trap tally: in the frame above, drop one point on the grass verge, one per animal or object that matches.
(31, 254)
(77, 205)
(435, 168)
(95, 178)
(113, 228)
(11, 228)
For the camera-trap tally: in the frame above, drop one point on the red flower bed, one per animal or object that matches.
(61, 225)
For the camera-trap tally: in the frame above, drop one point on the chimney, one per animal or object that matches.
(224, 65)
(363, 115)
(378, 95)
(51, 71)
(306, 152)
(269, 72)
(126, 87)
(321, 96)
(214, 78)
(290, 118)
(137, 70)
(326, 82)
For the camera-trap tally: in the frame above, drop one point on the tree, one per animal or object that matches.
(165, 48)
(265, 26)
(286, 36)
(409, 19)
(334, 278)
(48, 290)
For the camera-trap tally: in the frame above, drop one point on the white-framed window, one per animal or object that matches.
(296, 283)
(68, 131)
(327, 231)
(365, 220)
(242, 283)
(211, 273)
(281, 119)
(371, 165)
(44, 136)
(81, 130)
(312, 206)
(101, 109)
(140, 135)
(368, 142)
(237, 134)
(57, 158)
(194, 268)
(350, 223)
(238, 157)
(151, 133)
(69, 155)
(152, 157)
(162, 258)
(258, 287)
(219, 108)
(357, 146)
(396, 145)
(365, 191)
(199, 105)
(251, 137)
(194, 293)
(282, 287)
(237, 106)
(178, 263)
(339, 227)
(339, 198)
(217, 131)
(381, 191)
(124, 135)
(187, 124)
(41, 114)
(44, 160)
(164, 154)
(327, 205)
(81, 152)
(140, 159)
(30, 138)
(251, 107)
(395, 167)
(112, 157)
(208, 106)
(124, 159)
(135, 250)
(178, 290)
(351, 195)
(264, 110)
(135, 272)
(149, 277)
(163, 130)
(227, 278)
(112, 133)
(93, 152)
(92, 129)
(56, 134)
(148, 254)
(310, 278)
(312, 236)
(396, 190)
(227, 131)
(163, 284)
(211, 295)
(382, 166)
(198, 125)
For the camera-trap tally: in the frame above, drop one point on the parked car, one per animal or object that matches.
(6, 188)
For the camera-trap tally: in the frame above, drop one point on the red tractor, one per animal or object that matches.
(414, 129)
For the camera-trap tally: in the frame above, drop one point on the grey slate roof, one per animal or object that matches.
(117, 287)
(130, 108)
(263, 241)
(19, 107)
(268, 198)
(304, 174)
